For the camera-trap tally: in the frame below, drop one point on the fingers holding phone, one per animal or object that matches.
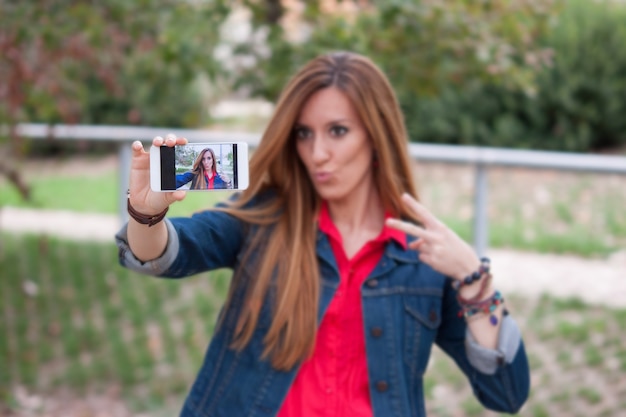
(142, 198)
(170, 140)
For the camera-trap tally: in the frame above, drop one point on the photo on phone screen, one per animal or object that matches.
(199, 166)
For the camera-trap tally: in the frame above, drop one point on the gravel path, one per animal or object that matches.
(597, 281)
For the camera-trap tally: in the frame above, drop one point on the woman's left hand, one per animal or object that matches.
(437, 244)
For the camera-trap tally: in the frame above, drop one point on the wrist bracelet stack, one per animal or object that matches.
(479, 304)
(143, 218)
(487, 306)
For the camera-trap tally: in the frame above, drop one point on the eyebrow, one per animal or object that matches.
(332, 122)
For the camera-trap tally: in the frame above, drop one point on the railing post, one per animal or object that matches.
(124, 158)
(481, 227)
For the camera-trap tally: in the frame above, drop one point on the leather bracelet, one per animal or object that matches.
(479, 296)
(144, 219)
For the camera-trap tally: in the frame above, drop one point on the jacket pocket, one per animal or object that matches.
(422, 318)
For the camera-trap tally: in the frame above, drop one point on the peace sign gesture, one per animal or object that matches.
(437, 244)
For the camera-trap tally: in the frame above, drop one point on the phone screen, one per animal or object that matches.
(195, 166)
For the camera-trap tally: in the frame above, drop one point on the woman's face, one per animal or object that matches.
(207, 161)
(333, 145)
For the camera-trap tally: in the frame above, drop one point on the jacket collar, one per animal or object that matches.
(394, 254)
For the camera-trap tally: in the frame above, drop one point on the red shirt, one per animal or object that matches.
(209, 181)
(333, 382)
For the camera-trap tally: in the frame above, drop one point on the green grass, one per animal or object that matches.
(570, 373)
(98, 194)
(90, 323)
(71, 318)
(540, 411)
(590, 395)
(83, 194)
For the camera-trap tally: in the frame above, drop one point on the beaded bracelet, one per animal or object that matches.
(487, 306)
(480, 295)
(484, 268)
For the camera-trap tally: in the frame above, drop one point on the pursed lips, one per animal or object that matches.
(322, 176)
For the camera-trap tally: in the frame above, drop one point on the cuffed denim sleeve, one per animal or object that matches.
(486, 360)
(156, 266)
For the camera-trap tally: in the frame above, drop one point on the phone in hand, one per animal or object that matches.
(199, 167)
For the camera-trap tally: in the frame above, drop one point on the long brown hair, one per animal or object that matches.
(287, 222)
(199, 179)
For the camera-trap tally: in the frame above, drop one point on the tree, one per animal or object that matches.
(421, 44)
(116, 61)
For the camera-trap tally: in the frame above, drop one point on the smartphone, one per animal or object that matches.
(199, 167)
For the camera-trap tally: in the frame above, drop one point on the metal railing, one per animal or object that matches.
(482, 158)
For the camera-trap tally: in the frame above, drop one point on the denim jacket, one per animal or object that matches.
(184, 178)
(407, 306)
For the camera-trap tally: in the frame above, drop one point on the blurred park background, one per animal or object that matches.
(80, 336)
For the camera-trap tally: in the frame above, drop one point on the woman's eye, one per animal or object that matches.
(338, 131)
(302, 133)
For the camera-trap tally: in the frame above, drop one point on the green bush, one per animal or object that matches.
(578, 104)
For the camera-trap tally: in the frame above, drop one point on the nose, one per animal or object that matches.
(320, 150)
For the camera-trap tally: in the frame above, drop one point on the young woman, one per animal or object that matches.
(203, 174)
(342, 280)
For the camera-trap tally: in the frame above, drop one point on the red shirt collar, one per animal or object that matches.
(209, 181)
(327, 226)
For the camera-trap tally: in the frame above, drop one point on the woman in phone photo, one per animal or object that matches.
(204, 174)
(342, 280)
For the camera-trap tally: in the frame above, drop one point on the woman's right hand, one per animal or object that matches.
(142, 198)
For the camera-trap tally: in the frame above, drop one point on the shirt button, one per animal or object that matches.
(382, 386)
(372, 283)
(500, 360)
(432, 316)
(376, 331)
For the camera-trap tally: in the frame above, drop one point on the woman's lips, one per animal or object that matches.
(322, 176)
